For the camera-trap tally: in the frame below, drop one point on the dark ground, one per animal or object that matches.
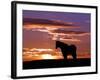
(56, 63)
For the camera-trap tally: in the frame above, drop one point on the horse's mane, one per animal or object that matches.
(61, 42)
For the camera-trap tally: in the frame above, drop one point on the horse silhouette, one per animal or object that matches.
(66, 49)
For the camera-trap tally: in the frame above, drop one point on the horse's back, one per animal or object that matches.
(73, 47)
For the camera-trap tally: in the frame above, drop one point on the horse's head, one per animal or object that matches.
(60, 44)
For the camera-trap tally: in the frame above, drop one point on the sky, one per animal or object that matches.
(41, 29)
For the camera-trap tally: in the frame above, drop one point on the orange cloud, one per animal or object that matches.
(29, 23)
(40, 54)
(64, 35)
(71, 40)
(70, 33)
(47, 26)
(54, 28)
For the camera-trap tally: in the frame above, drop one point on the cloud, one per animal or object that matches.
(40, 29)
(66, 38)
(71, 40)
(40, 54)
(46, 21)
(69, 33)
(63, 34)
(29, 23)
(54, 28)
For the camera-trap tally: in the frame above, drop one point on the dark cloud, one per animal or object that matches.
(29, 21)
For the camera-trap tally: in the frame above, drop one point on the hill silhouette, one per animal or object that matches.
(56, 63)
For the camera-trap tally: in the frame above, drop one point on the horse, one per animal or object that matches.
(66, 49)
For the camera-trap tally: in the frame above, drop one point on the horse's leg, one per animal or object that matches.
(64, 55)
(74, 55)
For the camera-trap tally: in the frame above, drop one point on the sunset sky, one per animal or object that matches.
(41, 29)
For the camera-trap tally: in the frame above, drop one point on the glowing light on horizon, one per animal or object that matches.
(42, 54)
(47, 56)
(40, 50)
